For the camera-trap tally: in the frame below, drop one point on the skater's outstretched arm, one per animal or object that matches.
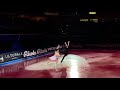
(66, 50)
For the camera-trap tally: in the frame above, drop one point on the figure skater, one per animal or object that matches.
(55, 57)
(66, 51)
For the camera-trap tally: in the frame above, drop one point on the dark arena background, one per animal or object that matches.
(30, 34)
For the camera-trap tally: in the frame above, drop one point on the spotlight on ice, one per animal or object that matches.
(78, 67)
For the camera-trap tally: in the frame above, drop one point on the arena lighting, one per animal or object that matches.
(51, 13)
(94, 20)
(36, 18)
(92, 12)
(85, 20)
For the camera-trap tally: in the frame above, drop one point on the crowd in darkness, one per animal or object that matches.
(13, 34)
(29, 43)
(53, 31)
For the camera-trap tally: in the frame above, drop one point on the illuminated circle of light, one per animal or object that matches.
(77, 67)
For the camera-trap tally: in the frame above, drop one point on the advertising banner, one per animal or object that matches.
(5, 57)
(10, 56)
